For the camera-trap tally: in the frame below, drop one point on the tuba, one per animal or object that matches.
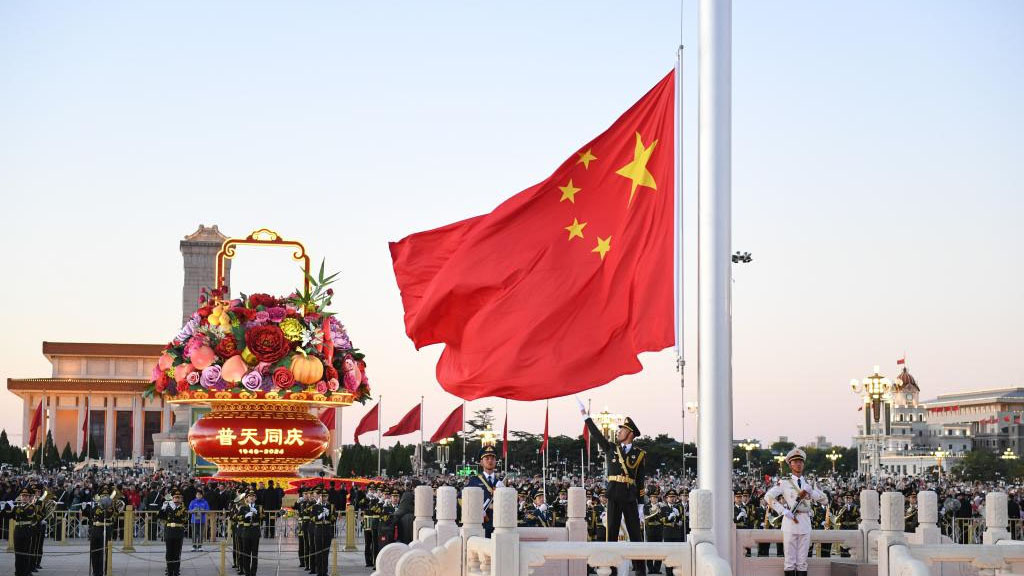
(117, 501)
(47, 503)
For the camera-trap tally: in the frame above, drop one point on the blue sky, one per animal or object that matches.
(877, 175)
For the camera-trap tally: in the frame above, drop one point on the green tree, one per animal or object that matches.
(67, 457)
(980, 465)
(51, 458)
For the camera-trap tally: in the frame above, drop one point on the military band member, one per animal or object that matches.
(487, 479)
(910, 516)
(371, 507)
(740, 514)
(654, 526)
(103, 517)
(249, 516)
(795, 508)
(39, 529)
(236, 530)
(537, 514)
(323, 519)
(300, 504)
(674, 520)
(626, 481)
(175, 517)
(25, 520)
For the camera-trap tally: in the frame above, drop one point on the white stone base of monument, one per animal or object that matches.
(315, 469)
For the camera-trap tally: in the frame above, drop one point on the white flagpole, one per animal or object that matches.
(504, 440)
(421, 438)
(714, 322)
(380, 420)
(679, 260)
(464, 458)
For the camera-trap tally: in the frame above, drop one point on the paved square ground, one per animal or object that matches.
(148, 560)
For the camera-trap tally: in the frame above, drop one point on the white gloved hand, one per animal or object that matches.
(640, 510)
(673, 515)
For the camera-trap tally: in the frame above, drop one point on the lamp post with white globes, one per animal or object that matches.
(876, 391)
(832, 457)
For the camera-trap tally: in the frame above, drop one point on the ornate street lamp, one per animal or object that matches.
(780, 460)
(832, 457)
(748, 446)
(1008, 454)
(488, 437)
(443, 447)
(876, 391)
(939, 455)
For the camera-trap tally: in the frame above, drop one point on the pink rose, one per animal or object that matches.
(192, 378)
(332, 384)
(321, 387)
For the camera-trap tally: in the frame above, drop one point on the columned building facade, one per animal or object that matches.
(93, 399)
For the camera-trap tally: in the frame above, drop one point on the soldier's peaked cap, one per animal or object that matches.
(796, 454)
(486, 451)
(630, 425)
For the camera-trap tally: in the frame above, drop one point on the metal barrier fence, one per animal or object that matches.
(66, 526)
(972, 530)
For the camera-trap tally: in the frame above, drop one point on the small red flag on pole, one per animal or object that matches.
(369, 423)
(451, 426)
(504, 438)
(33, 427)
(409, 423)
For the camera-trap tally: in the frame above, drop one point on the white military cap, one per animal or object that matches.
(796, 453)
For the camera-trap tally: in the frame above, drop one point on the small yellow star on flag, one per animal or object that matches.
(586, 158)
(569, 192)
(576, 229)
(636, 170)
(603, 246)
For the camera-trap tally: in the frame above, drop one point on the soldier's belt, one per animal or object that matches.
(249, 524)
(102, 523)
(621, 478)
(175, 525)
(24, 523)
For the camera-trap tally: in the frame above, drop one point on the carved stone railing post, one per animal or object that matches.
(447, 504)
(891, 534)
(506, 538)
(928, 518)
(869, 521)
(701, 517)
(423, 509)
(576, 526)
(997, 520)
(472, 513)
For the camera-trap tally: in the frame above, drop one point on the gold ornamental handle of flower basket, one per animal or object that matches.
(261, 237)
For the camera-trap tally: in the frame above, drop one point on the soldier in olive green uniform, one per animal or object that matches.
(175, 516)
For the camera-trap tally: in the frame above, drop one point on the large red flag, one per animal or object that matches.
(327, 417)
(369, 422)
(504, 439)
(564, 284)
(409, 423)
(451, 426)
(33, 427)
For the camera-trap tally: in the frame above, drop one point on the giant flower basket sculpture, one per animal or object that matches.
(261, 363)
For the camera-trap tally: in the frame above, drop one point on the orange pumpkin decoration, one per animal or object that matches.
(307, 369)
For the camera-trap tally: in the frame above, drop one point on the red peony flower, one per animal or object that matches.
(267, 343)
(161, 382)
(283, 378)
(227, 347)
(205, 310)
(262, 300)
(243, 314)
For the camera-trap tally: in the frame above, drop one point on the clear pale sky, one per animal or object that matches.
(877, 176)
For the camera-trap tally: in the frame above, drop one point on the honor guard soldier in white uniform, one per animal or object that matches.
(797, 494)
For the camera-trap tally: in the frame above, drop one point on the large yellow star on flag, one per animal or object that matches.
(636, 170)
(586, 158)
(576, 229)
(603, 246)
(569, 192)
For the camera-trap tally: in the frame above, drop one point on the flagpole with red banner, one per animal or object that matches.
(504, 439)
(380, 420)
(463, 433)
(545, 455)
(420, 462)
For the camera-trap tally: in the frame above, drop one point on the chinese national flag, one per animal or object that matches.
(409, 423)
(33, 427)
(369, 423)
(85, 432)
(586, 437)
(562, 285)
(451, 426)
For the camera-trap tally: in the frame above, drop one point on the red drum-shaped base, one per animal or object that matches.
(251, 440)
